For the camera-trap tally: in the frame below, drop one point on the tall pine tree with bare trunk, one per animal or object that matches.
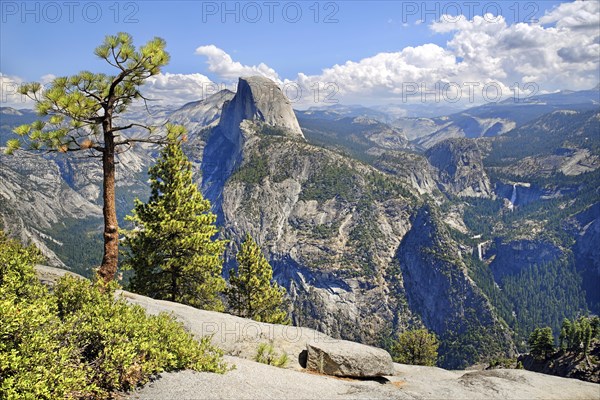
(82, 112)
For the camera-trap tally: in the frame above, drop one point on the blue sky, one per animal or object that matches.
(41, 38)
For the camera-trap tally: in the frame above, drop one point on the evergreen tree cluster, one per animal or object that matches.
(251, 294)
(171, 248)
(576, 335)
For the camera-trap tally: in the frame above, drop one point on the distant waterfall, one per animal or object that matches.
(513, 197)
(480, 251)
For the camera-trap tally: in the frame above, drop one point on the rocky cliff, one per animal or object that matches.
(460, 168)
(258, 99)
(258, 102)
(440, 290)
(34, 200)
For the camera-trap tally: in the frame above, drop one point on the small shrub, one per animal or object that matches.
(416, 347)
(266, 354)
(505, 363)
(519, 365)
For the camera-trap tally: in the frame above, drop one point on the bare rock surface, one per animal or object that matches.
(259, 99)
(236, 336)
(251, 380)
(344, 358)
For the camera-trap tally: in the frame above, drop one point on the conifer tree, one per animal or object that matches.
(586, 334)
(83, 111)
(251, 293)
(541, 342)
(171, 249)
(565, 335)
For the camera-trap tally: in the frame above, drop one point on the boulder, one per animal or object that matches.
(349, 359)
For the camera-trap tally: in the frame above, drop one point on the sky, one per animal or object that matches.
(320, 52)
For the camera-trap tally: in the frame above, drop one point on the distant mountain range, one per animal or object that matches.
(486, 120)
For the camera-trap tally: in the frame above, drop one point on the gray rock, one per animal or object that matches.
(250, 380)
(258, 99)
(203, 113)
(343, 358)
(460, 168)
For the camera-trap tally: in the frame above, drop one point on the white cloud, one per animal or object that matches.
(177, 89)
(553, 57)
(46, 79)
(9, 92)
(574, 15)
(221, 63)
(484, 50)
(164, 89)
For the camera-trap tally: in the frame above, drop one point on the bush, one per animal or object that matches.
(79, 342)
(416, 347)
(266, 354)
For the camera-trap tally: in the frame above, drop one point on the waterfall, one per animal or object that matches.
(513, 197)
(480, 251)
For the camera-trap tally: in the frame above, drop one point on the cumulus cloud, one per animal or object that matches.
(221, 63)
(163, 89)
(9, 92)
(554, 57)
(177, 89)
(576, 15)
(562, 52)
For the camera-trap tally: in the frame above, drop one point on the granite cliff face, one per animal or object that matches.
(34, 199)
(329, 241)
(258, 99)
(460, 168)
(440, 290)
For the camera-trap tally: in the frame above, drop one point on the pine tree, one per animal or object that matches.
(251, 293)
(541, 342)
(171, 249)
(416, 347)
(564, 340)
(83, 110)
(585, 334)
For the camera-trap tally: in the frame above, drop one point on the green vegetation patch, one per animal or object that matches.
(78, 342)
(331, 181)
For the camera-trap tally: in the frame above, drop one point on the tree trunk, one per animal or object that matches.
(111, 226)
(174, 286)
